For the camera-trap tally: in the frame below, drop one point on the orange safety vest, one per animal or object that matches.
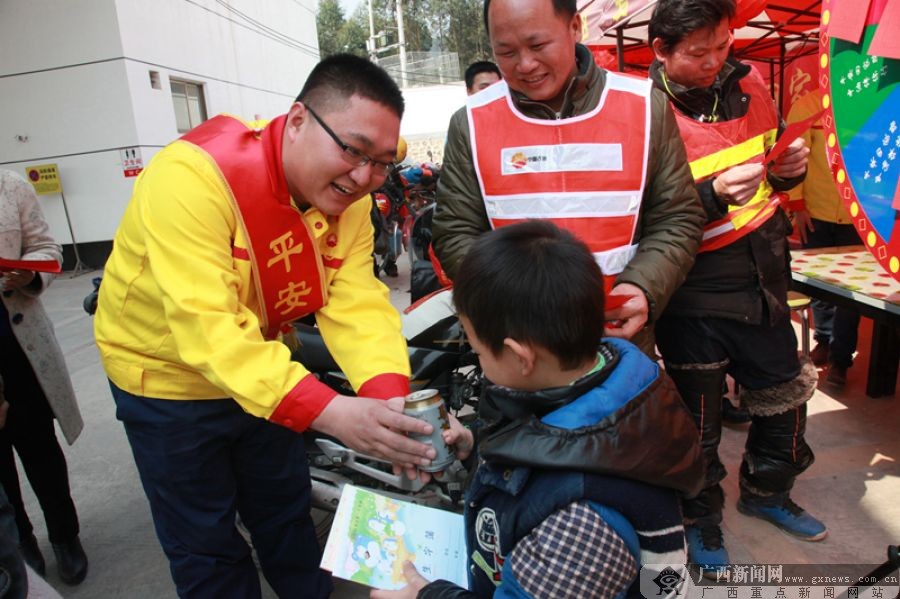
(713, 148)
(287, 268)
(586, 173)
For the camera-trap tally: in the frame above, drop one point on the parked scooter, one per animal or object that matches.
(441, 359)
(389, 210)
(426, 275)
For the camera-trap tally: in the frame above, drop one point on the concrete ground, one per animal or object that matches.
(853, 486)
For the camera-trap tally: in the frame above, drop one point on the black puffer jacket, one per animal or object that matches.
(740, 279)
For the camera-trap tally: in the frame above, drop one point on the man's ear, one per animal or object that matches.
(296, 115)
(524, 353)
(577, 26)
(658, 47)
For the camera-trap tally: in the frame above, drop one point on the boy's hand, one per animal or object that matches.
(629, 318)
(416, 584)
(459, 437)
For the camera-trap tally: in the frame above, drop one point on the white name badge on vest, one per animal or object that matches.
(561, 158)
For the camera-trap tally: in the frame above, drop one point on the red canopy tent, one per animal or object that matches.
(779, 36)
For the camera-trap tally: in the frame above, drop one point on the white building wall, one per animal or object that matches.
(427, 115)
(75, 84)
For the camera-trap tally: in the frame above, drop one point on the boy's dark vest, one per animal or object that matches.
(504, 505)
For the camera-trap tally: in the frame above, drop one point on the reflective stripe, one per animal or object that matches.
(614, 261)
(715, 231)
(741, 215)
(717, 162)
(725, 237)
(561, 158)
(640, 86)
(569, 205)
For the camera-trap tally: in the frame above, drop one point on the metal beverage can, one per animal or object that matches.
(428, 406)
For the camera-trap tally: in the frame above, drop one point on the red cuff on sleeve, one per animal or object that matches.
(385, 386)
(798, 205)
(303, 404)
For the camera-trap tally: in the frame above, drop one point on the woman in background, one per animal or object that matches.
(36, 385)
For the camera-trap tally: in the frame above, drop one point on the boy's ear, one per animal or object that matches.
(524, 353)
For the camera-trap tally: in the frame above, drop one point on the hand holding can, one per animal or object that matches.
(428, 405)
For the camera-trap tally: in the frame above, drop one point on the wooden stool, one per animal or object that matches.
(799, 303)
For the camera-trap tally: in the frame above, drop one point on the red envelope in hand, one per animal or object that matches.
(35, 265)
(615, 301)
(791, 132)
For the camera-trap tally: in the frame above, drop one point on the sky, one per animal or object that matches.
(349, 6)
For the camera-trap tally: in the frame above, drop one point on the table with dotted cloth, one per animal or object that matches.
(850, 276)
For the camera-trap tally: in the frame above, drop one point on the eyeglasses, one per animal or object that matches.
(351, 154)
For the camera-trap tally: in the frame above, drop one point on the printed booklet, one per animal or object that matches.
(373, 535)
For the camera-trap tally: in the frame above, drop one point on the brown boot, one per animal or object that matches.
(837, 375)
(819, 354)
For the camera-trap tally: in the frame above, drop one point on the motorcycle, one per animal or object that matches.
(426, 275)
(440, 359)
(407, 194)
(389, 210)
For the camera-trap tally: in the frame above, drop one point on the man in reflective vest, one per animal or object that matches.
(232, 233)
(731, 314)
(559, 138)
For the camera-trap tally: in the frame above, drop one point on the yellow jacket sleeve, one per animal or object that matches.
(177, 316)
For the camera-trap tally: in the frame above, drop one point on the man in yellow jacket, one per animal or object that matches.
(231, 234)
(822, 220)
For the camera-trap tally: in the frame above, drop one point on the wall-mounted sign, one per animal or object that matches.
(44, 178)
(132, 163)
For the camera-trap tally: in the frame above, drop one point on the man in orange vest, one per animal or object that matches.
(232, 233)
(731, 314)
(559, 138)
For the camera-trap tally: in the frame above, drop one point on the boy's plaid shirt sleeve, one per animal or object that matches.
(573, 554)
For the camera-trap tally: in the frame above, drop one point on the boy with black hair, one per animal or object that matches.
(584, 444)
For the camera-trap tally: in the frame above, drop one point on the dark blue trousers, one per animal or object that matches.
(202, 461)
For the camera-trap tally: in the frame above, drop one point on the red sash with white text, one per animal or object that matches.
(285, 262)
